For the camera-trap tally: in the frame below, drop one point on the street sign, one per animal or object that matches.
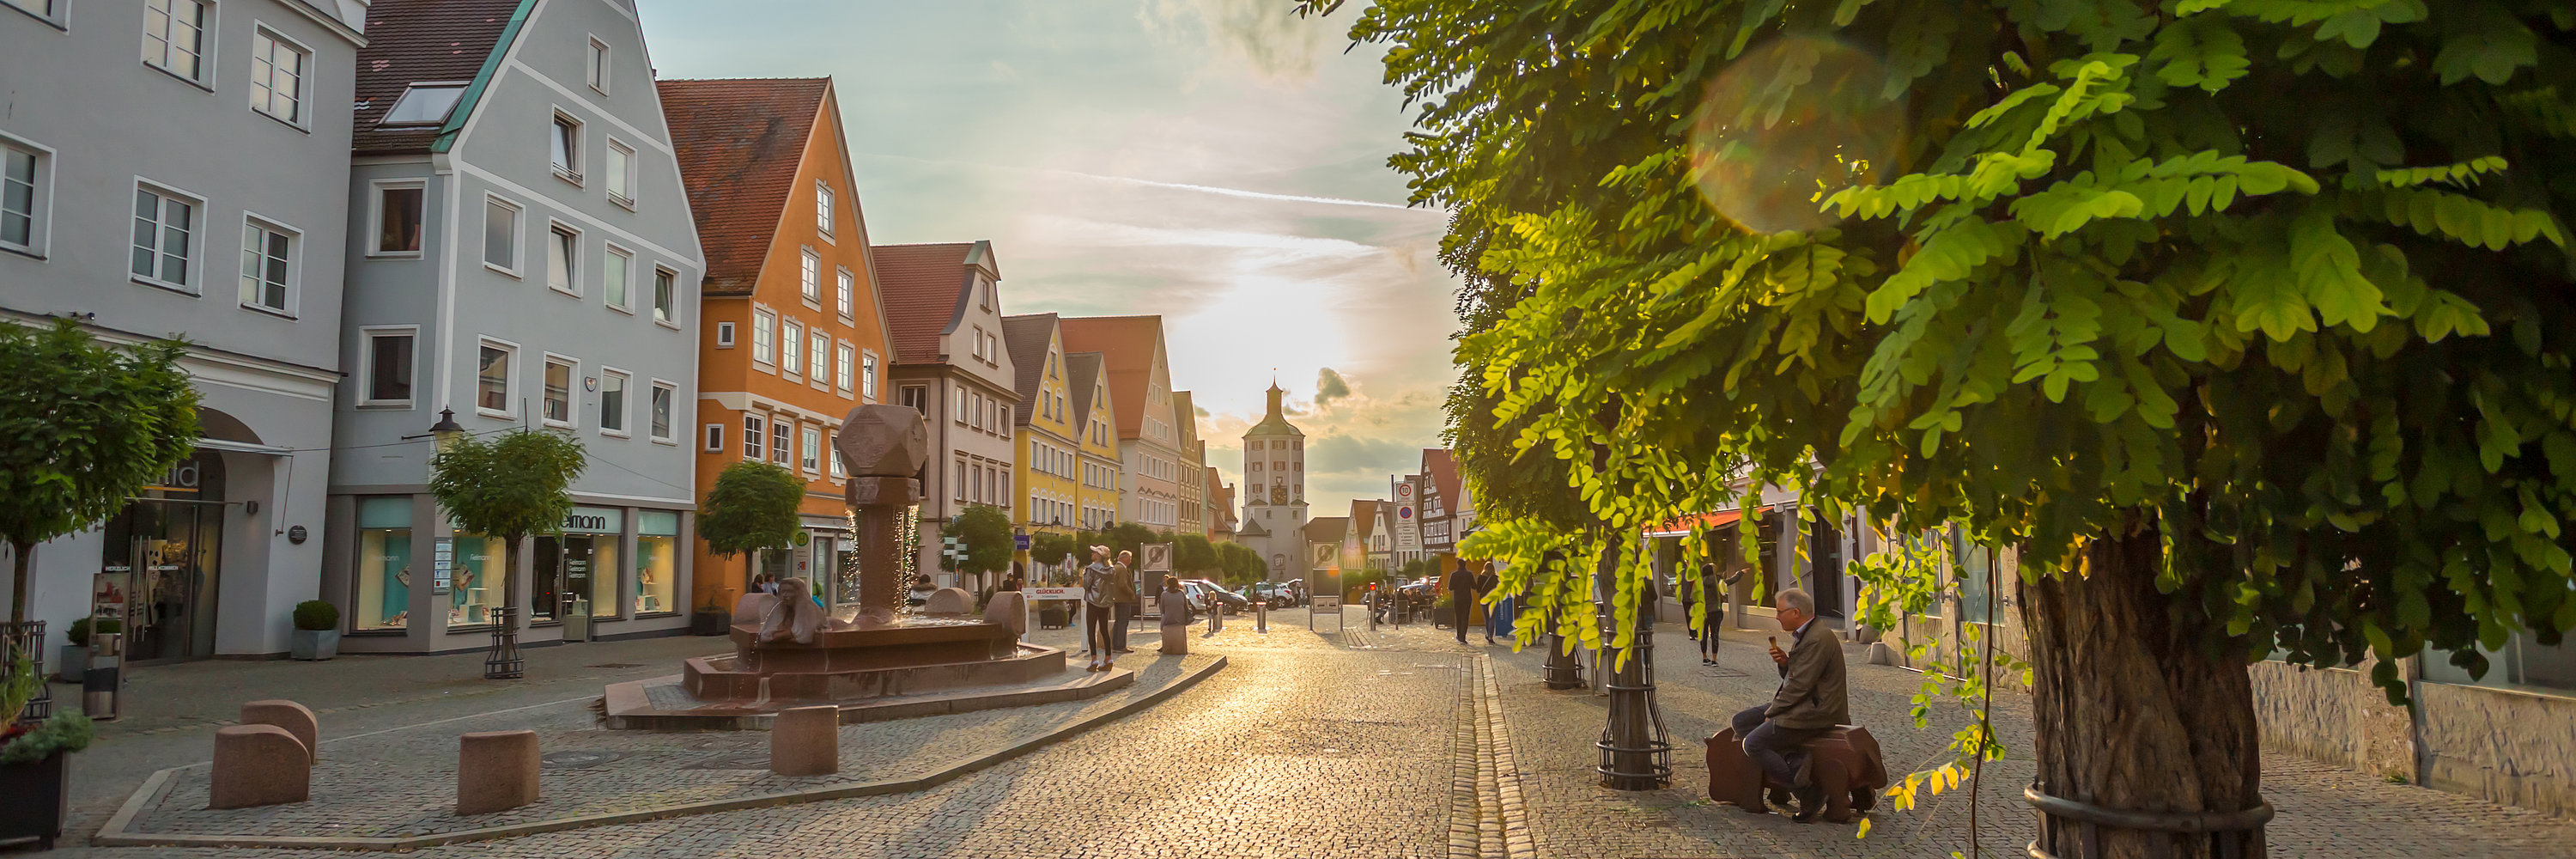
(1158, 558)
(1020, 542)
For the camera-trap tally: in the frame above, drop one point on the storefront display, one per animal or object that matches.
(385, 573)
(481, 580)
(576, 569)
(657, 561)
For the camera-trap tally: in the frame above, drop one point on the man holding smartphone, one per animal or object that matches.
(1812, 700)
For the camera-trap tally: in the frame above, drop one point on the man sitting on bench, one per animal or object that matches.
(1812, 700)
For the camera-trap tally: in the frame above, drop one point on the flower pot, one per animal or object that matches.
(38, 793)
(313, 645)
(75, 662)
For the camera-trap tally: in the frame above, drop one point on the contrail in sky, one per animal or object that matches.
(1203, 189)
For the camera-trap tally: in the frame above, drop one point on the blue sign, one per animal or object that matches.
(1020, 542)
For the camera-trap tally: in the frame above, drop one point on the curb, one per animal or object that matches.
(115, 834)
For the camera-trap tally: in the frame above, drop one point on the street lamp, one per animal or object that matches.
(446, 430)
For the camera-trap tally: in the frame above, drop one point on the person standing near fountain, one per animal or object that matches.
(1097, 608)
(1122, 588)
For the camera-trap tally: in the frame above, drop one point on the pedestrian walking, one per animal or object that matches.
(1486, 581)
(1174, 605)
(1462, 599)
(1122, 589)
(1097, 609)
(1713, 589)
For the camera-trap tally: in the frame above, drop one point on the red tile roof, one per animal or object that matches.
(739, 143)
(1027, 337)
(1443, 473)
(1126, 345)
(1364, 518)
(411, 41)
(924, 290)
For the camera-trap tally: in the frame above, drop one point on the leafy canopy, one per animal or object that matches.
(509, 487)
(83, 427)
(986, 534)
(752, 506)
(2280, 283)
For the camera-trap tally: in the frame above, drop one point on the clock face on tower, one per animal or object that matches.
(1278, 495)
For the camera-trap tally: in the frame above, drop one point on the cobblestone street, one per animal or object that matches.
(1400, 743)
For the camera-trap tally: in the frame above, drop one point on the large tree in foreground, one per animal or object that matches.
(2247, 321)
(83, 427)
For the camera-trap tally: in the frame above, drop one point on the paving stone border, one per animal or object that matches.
(121, 831)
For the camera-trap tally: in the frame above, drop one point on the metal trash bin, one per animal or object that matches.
(102, 679)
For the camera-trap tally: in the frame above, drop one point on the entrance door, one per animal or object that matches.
(1825, 554)
(563, 575)
(174, 549)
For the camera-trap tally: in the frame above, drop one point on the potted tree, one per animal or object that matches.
(32, 774)
(317, 631)
(136, 417)
(510, 487)
(751, 507)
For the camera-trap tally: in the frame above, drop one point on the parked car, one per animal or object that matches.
(1203, 592)
(1276, 594)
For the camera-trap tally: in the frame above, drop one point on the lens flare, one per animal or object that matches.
(1789, 123)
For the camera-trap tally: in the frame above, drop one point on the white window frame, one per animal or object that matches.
(572, 257)
(509, 378)
(868, 363)
(809, 278)
(376, 189)
(518, 235)
(711, 438)
(781, 430)
(40, 200)
(668, 390)
(53, 13)
(572, 391)
(816, 373)
(845, 292)
(209, 26)
(724, 335)
(755, 437)
(840, 468)
(625, 176)
(791, 348)
(764, 346)
(625, 403)
(845, 363)
(570, 170)
(194, 259)
(302, 120)
(367, 335)
(608, 291)
(597, 65)
(667, 314)
(824, 203)
(809, 449)
(294, 263)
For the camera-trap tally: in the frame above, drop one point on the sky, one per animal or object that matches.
(1219, 162)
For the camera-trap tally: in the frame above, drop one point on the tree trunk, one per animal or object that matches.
(21, 561)
(2132, 713)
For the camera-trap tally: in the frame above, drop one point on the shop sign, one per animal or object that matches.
(594, 520)
(1044, 593)
(443, 565)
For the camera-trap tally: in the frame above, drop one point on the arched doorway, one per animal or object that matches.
(165, 550)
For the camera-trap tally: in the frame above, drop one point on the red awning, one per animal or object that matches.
(1682, 526)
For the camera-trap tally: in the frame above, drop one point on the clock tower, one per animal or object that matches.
(1274, 474)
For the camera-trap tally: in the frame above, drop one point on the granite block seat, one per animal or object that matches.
(1845, 765)
(495, 771)
(1011, 609)
(259, 765)
(806, 741)
(947, 601)
(296, 718)
(1176, 640)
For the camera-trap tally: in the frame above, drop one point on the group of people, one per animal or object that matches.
(1109, 601)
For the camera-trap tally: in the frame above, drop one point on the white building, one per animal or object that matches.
(1274, 492)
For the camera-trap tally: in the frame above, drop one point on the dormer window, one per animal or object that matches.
(424, 104)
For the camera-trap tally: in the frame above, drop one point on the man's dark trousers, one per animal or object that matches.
(1773, 748)
(1118, 627)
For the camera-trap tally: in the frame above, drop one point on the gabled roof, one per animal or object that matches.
(924, 288)
(739, 143)
(1027, 337)
(1364, 519)
(1126, 344)
(1081, 373)
(1326, 529)
(1185, 422)
(417, 41)
(1442, 472)
(1252, 528)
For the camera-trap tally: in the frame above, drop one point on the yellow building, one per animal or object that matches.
(1047, 466)
(1100, 471)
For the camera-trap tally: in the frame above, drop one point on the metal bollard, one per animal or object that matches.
(1261, 616)
(99, 680)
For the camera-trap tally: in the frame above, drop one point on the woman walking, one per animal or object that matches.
(1713, 591)
(1097, 607)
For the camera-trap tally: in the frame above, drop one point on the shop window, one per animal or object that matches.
(383, 587)
(481, 580)
(2523, 663)
(657, 561)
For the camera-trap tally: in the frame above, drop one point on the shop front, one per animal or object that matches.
(608, 572)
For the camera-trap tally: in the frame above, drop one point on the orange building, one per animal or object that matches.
(794, 333)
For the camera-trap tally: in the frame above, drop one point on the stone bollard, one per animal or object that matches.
(1176, 640)
(295, 718)
(806, 741)
(949, 601)
(259, 765)
(495, 771)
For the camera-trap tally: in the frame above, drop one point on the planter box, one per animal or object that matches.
(38, 796)
(75, 662)
(312, 645)
(710, 623)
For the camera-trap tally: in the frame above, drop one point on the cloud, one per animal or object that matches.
(1329, 386)
(1267, 34)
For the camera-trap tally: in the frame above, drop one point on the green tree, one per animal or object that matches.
(1054, 549)
(985, 533)
(752, 506)
(2246, 321)
(1242, 565)
(83, 427)
(1195, 555)
(509, 487)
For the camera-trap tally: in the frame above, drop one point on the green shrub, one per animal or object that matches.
(317, 616)
(65, 732)
(80, 629)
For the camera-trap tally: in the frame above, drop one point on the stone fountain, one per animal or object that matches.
(879, 663)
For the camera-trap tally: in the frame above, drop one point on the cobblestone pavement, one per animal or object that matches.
(2322, 810)
(1299, 748)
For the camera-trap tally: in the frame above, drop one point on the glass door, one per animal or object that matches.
(172, 550)
(562, 586)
